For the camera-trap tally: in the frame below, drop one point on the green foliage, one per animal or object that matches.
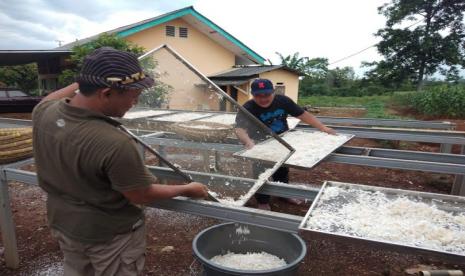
(375, 105)
(444, 100)
(23, 77)
(316, 67)
(376, 109)
(344, 87)
(320, 80)
(66, 77)
(432, 43)
(153, 97)
(81, 51)
(331, 101)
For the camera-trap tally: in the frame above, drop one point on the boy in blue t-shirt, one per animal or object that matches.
(272, 110)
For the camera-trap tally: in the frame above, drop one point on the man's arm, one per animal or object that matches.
(157, 191)
(65, 92)
(313, 121)
(244, 138)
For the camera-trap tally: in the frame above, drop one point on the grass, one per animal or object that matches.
(375, 105)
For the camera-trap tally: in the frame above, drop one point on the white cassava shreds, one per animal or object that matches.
(227, 119)
(292, 122)
(200, 126)
(311, 147)
(399, 219)
(242, 230)
(249, 261)
(230, 119)
(242, 199)
(145, 113)
(181, 117)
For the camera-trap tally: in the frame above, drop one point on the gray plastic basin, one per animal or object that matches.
(219, 239)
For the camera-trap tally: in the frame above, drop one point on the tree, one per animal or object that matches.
(294, 61)
(434, 43)
(155, 96)
(340, 77)
(315, 71)
(314, 81)
(152, 97)
(320, 80)
(316, 67)
(23, 77)
(81, 51)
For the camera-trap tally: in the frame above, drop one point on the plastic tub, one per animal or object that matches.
(219, 239)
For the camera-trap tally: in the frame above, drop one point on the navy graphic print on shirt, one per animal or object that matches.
(276, 120)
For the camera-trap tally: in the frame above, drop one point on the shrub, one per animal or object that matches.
(444, 100)
(307, 88)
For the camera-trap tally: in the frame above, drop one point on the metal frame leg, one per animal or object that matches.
(217, 161)
(445, 148)
(206, 160)
(458, 188)
(161, 150)
(7, 224)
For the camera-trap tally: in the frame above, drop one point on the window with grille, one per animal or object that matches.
(280, 88)
(182, 32)
(170, 30)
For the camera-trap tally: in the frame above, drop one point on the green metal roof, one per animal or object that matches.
(132, 29)
(151, 22)
(252, 71)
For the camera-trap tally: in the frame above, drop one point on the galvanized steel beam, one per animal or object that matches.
(14, 122)
(270, 188)
(397, 164)
(274, 220)
(444, 125)
(404, 154)
(437, 136)
(384, 158)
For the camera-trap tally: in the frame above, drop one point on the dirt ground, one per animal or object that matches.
(170, 234)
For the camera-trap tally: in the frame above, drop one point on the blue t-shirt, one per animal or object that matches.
(273, 116)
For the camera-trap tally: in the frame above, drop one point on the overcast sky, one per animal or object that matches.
(332, 28)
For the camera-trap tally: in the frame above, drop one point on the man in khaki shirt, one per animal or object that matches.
(93, 173)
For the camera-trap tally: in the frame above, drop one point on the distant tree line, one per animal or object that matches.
(430, 51)
(423, 45)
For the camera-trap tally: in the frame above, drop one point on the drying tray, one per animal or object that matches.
(451, 204)
(302, 150)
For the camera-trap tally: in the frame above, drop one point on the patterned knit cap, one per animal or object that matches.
(108, 67)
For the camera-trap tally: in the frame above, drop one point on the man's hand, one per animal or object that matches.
(244, 138)
(329, 130)
(250, 144)
(314, 122)
(196, 190)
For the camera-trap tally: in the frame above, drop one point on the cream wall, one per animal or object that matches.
(242, 97)
(290, 80)
(188, 91)
(208, 56)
